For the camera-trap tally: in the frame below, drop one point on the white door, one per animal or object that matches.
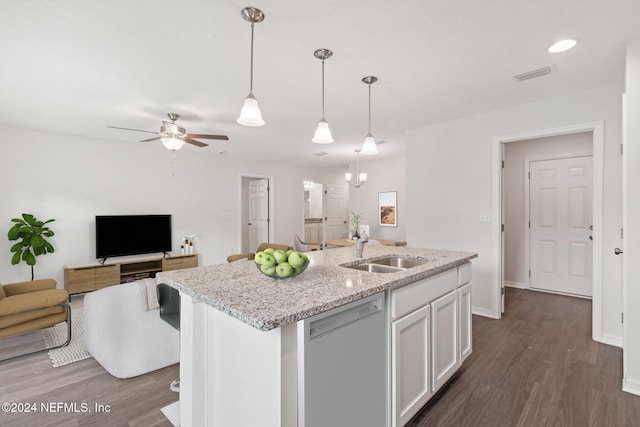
(444, 337)
(561, 224)
(258, 212)
(336, 211)
(410, 376)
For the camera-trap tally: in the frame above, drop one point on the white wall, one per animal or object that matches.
(631, 253)
(72, 179)
(450, 183)
(386, 174)
(515, 154)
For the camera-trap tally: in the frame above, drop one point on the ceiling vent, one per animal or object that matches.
(320, 154)
(535, 73)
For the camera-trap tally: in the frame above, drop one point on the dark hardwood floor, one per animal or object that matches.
(537, 366)
(33, 379)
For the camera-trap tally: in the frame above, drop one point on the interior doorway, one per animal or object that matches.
(503, 255)
(257, 211)
(325, 212)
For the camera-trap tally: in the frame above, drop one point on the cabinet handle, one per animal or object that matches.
(617, 251)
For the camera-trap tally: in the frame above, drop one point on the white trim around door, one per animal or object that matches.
(597, 129)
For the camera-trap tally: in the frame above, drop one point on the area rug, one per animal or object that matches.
(56, 335)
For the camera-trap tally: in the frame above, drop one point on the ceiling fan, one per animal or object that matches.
(173, 136)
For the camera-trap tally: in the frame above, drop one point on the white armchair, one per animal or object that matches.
(124, 338)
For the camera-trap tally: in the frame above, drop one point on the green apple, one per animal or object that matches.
(269, 251)
(305, 258)
(298, 270)
(289, 252)
(268, 260)
(258, 257)
(280, 256)
(269, 270)
(296, 259)
(284, 269)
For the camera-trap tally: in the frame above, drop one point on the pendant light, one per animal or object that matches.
(323, 133)
(369, 145)
(250, 114)
(360, 177)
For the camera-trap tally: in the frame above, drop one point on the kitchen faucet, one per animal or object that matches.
(360, 241)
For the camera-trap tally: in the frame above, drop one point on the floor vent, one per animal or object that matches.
(535, 73)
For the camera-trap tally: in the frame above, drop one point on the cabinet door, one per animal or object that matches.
(308, 229)
(410, 374)
(444, 339)
(464, 300)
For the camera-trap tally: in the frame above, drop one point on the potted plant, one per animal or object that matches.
(356, 218)
(31, 234)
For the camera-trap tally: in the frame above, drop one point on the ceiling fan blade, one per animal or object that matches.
(205, 136)
(151, 139)
(136, 130)
(194, 142)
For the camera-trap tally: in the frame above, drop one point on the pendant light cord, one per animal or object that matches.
(251, 72)
(323, 88)
(369, 108)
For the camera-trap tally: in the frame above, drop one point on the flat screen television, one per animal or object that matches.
(119, 235)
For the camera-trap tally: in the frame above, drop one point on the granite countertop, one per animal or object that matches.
(241, 291)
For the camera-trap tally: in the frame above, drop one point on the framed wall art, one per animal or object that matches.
(388, 209)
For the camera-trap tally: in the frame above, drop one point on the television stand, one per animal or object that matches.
(79, 279)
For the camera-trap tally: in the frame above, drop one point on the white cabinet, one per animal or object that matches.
(464, 301)
(411, 346)
(445, 357)
(313, 232)
(430, 323)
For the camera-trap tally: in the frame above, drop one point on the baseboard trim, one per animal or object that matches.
(609, 340)
(631, 386)
(516, 285)
(483, 312)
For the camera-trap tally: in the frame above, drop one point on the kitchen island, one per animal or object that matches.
(240, 329)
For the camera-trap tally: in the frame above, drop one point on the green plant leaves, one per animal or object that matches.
(31, 234)
(15, 259)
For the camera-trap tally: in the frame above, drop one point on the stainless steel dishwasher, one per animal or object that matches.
(342, 366)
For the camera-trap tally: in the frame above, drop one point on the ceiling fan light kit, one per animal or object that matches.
(174, 137)
(250, 114)
(323, 133)
(172, 143)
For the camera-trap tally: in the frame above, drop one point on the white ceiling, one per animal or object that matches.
(76, 66)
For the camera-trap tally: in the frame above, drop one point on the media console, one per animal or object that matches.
(86, 278)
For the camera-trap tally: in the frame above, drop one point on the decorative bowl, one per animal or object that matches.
(275, 276)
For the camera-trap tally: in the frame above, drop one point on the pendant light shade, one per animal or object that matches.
(323, 133)
(250, 114)
(172, 143)
(369, 146)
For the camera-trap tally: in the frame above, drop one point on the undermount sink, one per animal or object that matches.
(399, 262)
(387, 265)
(374, 268)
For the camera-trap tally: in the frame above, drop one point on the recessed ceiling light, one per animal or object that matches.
(562, 45)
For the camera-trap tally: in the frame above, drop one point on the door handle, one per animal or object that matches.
(249, 224)
(590, 237)
(617, 251)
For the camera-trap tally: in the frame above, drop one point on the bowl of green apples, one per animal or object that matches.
(281, 264)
